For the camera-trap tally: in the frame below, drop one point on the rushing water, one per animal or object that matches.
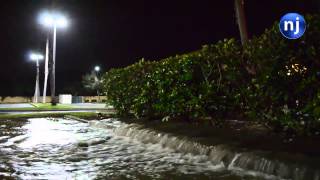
(43, 148)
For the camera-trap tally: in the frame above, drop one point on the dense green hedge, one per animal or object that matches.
(270, 79)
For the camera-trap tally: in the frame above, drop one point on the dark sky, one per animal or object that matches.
(115, 33)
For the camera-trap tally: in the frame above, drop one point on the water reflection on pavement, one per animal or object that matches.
(43, 148)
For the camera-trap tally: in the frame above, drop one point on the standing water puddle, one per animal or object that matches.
(43, 148)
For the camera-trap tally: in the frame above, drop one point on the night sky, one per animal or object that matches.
(116, 33)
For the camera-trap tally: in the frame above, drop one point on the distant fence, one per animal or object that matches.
(75, 99)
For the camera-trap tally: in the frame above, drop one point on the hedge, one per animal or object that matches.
(270, 79)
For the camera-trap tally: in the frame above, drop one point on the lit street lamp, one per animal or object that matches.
(36, 57)
(53, 20)
(97, 70)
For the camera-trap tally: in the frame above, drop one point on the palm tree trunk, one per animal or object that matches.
(241, 19)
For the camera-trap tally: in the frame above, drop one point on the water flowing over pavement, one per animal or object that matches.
(44, 148)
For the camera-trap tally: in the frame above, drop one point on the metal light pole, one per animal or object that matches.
(36, 58)
(46, 72)
(53, 20)
(53, 71)
(97, 70)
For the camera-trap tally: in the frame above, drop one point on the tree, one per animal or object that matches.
(241, 19)
(91, 82)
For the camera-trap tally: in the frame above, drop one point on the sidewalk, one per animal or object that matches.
(25, 105)
(76, 105)
(25, 108)
(90, 105)
(48, 112)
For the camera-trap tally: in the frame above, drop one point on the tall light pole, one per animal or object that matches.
(97, 70)
(36, 57)
(53, 20)
(46, 72)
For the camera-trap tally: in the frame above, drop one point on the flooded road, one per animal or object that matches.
(44, 148)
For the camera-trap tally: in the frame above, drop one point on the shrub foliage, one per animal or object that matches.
(270, 79)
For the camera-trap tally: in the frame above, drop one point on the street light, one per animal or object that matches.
(53, 20)
(97, 68)
(36, 57)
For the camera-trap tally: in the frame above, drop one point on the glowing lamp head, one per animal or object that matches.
(62, 22)
(97, 68)
(46, 19)
(35, 56)
(53, 19)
